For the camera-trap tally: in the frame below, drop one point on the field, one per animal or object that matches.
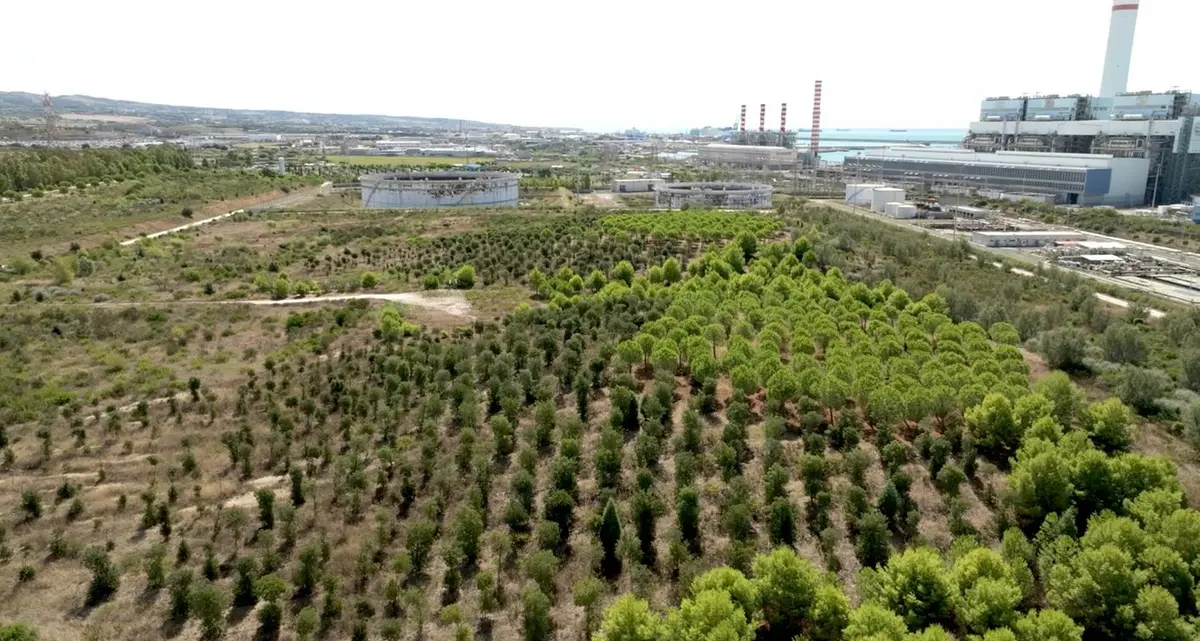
(335, 423)
(89, 216)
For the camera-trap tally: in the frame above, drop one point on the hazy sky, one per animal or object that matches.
(599, 65)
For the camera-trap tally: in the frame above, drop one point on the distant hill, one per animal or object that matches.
(18, 104)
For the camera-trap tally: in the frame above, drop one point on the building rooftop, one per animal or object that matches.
(1040, 233)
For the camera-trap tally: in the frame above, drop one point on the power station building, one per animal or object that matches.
(763, 157)
(1118, 148)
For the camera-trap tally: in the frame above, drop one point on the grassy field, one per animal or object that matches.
(716, 425)
(125, 209)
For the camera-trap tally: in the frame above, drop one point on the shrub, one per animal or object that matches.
(105, 577)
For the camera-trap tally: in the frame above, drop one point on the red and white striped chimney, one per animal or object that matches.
(762, 117)
(783, 118)
(814, 146)
(742, 126)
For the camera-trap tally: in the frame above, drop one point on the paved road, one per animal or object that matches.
(1113, 300)
(285, 201)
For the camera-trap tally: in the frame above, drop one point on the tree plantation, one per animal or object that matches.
(684, 425)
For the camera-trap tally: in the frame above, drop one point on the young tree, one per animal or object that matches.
(270, 589)
(709, 614)
(629, 619)
(266, 508)
(208, 602)
(468, 529)
(105, 577)
(586, 594)
(994, 426)
(915, 585)
(787, 587)
(180, 591)
(306, 624)
(687, 510)
(782, 522)
(244, 594)
(610, 531)
(872, 546)
(535, 615)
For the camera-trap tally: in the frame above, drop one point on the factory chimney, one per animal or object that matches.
(1120, 48)
(742, 122)
(783, 118)
(814, 146)
(762, 117)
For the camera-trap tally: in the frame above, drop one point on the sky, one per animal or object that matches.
(602, 66)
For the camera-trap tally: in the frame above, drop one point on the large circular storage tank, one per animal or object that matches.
(718, 195)
(437, 190)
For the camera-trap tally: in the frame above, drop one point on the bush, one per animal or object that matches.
(535, 615)
(1065, 348)
(105, 577)
(31, 504)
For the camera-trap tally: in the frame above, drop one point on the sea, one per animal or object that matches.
(834, 138)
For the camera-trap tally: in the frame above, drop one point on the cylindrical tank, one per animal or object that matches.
(881, 196)
(906, 211)
(433, 190)
(860, 193)
(890, 209)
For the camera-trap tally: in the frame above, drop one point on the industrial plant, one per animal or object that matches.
(1117, 148)
(437, 190)
(714, 195)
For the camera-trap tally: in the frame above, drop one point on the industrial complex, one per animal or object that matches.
(435, 190)
(1117, 148)
(715, 195)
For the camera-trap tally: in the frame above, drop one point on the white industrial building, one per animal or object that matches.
(900, 210)
(635, 185)
(747, 155)
(1038, 238)
(861, 194)
(1117, 148)
(881, 196)
(1085, 179)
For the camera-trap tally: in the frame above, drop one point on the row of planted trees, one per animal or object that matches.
(640, 429)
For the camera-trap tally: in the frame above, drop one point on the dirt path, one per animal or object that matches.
(448, 302)
(451, 303)
(260, 204)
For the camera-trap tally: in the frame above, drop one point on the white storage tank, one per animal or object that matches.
(881, 196)
(906, 211)
(890, 209)
(860, 194)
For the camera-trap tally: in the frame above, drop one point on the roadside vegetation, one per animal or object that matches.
(688, 425)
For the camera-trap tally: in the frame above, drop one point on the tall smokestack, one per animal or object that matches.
(814, 146)
(762, 117)
(1120, 48)
(783, 118)
(742, 122)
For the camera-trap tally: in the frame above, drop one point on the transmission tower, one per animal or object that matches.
(48, 114)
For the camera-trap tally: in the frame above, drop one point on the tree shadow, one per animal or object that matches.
(238, 613)
(172, 627)
(148, 596)
(484, 631)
